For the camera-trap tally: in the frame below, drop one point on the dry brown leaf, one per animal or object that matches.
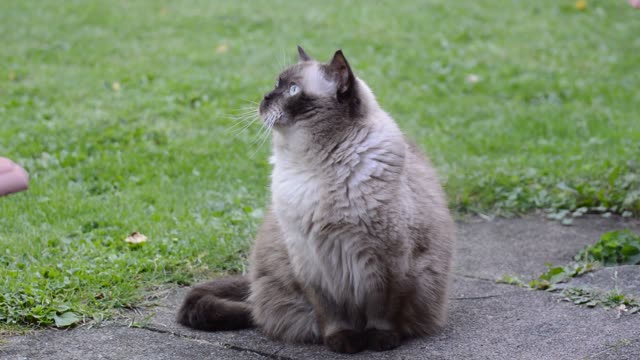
(136, 238)
(222, 48)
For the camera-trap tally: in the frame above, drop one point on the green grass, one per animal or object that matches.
(552, 123)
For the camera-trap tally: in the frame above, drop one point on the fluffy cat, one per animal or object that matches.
(356, 248)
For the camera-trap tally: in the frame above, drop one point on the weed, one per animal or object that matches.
(613, 248)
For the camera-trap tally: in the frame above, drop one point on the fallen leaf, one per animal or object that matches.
(136, 238)
(66, 319)
(472, 78)
(591, 303)
(581, 5)
(222, 48)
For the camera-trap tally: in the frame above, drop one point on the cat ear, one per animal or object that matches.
(302, 56)
(342, 72)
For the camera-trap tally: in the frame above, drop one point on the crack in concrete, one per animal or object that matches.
(260, 353)
(617, 345)
(476, 297)
(474, 277)
(222, 345)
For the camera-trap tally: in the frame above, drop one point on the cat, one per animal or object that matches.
(355, 251)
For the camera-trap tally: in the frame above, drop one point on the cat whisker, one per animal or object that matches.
(237, 132)
(265, 132)
(252, 102)
(280, 60)
(259, 146)
(287, 63)
(244, 116)
(243, 123)
(246, 110)
(284, 59)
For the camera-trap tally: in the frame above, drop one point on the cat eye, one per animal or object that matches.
(294, 89)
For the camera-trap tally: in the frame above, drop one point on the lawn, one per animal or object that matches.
(121, 112)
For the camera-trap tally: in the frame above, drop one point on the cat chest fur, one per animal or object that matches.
(310, 199)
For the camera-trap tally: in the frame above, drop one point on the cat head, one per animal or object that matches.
(314, 94)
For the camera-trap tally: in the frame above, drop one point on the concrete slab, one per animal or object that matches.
(114, 342)
(487, 320)
(491, 249)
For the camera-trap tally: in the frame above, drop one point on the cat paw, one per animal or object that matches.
(381, 340)
(345, 341)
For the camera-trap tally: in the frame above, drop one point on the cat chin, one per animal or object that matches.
(282, 123)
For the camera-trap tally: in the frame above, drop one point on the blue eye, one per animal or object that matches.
(294, 89)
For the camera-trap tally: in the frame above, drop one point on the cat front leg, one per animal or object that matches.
(381, 308)
(341, 323)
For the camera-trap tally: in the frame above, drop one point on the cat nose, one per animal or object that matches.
(268, 96)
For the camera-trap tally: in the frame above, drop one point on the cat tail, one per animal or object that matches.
(217, 305)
